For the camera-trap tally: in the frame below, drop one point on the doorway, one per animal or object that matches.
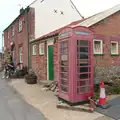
(50, 62)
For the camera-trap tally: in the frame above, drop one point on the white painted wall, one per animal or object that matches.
(45, 18)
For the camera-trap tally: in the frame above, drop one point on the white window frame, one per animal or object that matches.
(117, 52)
(13, 30)
(41, 48)
(20, 27)
(21, 54)
(34, 49)
(101, 46)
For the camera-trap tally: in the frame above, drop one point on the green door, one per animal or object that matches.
(50, 62)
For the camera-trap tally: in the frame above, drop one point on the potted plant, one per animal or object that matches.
(31, 77)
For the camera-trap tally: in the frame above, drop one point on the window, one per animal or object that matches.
(20, 25)
(34, 50)
(98, 47)
(41, 48)
(13, 31)
(20, 55)
(64, 65)
(114, 47)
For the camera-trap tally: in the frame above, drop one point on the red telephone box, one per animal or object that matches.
(76, 82)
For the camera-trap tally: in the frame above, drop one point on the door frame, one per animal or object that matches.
(49, 43)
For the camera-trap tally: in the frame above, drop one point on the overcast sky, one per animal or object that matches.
(9, 9)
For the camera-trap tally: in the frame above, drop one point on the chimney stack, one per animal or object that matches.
(21, 10)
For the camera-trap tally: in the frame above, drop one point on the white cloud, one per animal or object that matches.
(9, 10)
(90, 7)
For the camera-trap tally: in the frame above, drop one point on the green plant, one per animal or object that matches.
(97, 97)
(116, 90)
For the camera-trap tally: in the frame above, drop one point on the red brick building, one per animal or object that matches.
(18, 34)
(105, 25)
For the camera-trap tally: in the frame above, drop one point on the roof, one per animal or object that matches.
(87, 22)
(26, 9)
(53, 33)
(98, 17)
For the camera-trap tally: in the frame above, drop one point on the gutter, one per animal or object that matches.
(44, 39)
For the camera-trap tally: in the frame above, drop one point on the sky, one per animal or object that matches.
(9, 9)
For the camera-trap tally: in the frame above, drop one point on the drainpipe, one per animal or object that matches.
(27, 34)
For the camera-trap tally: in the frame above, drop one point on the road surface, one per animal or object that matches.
(13, 107)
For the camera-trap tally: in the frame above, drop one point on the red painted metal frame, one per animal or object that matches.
(63, 95)
(72, 95)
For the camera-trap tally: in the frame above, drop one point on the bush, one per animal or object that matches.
(116, 90)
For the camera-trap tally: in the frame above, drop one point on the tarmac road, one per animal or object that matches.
(13, 107)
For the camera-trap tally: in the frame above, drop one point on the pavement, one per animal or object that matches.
(45, 101)
(13, 107)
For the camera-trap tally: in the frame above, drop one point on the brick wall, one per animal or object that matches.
(108, 26)
(107, 59)
(20, 39)
(5, 43)
(39, 62)
(108, 30)
(31, 23)
(105, 66)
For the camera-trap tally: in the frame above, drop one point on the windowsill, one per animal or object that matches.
(20, 31)
(41, 54)
(98, 54)
(114, 54)
(33, 55)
